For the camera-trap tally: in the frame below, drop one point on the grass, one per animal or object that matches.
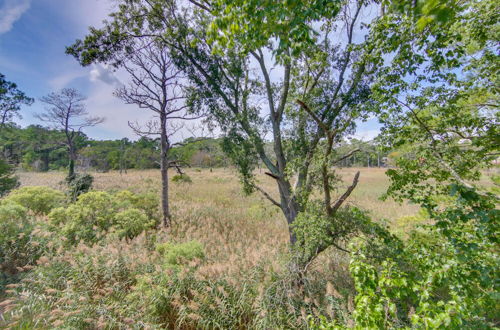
(221, 185)
(245, 242)
(213, 209)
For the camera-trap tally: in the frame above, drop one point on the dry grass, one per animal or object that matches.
(221, 186)
(243, 236)
(240, 231)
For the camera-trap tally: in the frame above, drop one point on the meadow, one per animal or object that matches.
(222, 264)
(243, 251)
(214, 210)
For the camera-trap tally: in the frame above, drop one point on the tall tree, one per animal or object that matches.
(11, 100)
(156, 86)
(324, 86)
(65, 110)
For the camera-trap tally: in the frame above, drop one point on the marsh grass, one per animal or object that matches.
(241, 281)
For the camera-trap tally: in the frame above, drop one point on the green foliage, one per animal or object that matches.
(132, 222)
(7, 179)
(38, 199)
(315, 231)
(204, 152)
(182, 253)
(253, 24)
(182, 178)
(243, 154)
(79, 184)
(11, 99)
(443, 278)
(438, 95)
(19, 246)
(96, 213)
(37, 148)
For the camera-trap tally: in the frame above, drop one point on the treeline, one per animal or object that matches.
(37, 148)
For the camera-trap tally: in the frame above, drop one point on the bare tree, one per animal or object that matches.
(66, 110)
(156, 86)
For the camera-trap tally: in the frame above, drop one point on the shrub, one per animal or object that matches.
(184, 178)
(445, 277)
(176, 254)
(131, 223)
(87, 219)
(146, 202)
(96, 213)
(79, 184)
(38, 199)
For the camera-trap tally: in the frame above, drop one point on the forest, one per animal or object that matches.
(280, 217)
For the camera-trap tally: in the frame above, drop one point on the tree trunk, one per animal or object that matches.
(71, 167)
(289, 207)
(164, 172)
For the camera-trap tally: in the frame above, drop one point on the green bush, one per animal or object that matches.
(87, 219)
(184, 178)
(38, 199)
(146, 202)
(131, 223)
(443, 278)
(96, 213)
(79, 184)
(177, 254)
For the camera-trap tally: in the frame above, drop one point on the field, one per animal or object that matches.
(216, 210)
(218, 188)
(226, 266)
(240, 231)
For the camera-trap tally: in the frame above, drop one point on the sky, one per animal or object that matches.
(33, 37)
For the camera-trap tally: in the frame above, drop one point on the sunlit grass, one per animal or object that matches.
(240, 231)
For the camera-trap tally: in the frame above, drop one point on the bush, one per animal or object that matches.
(184, 178)
(7, 179)
(38, 199)
(131, 223)
(445, 277)
(176, 254)
(87, 219)
(96, 213)
(146, 202)
(79, 184)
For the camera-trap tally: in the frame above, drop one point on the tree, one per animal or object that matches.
(440, 100)
(324, 85)
(66, 111)
(156, 86)
(11, 100)
(7, 180)
(440, 97)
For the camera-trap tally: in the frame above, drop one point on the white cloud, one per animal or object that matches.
(10, 12)
(103, 73)
(366, 135)
(64, 79)
(101, 102)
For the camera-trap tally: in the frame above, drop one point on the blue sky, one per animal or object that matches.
(33, 37)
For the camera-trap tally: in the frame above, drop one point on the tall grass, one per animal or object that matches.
(241, 281)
